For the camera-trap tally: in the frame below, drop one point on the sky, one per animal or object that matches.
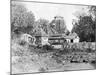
(48, 11)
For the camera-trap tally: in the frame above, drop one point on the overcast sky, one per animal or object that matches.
(48, 11)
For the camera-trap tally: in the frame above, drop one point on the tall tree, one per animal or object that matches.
(85, 27)
(92, 11)
(21, 19)
(44, 24)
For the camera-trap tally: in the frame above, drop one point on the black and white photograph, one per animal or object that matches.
(52, 37)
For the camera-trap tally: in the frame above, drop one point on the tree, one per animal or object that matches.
(92, 11)
(21, 19)
(17, 12)
(44, 24)
(85, 27)
(67, 32)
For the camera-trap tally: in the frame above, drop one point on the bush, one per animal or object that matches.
(42, 69)
(93, 62)
(22, 42)
(89, 50)
(19, 47)
(47, 47)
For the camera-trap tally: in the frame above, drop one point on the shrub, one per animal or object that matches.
(22, 42)
(93, 62)
(47, 47)
(89, 50)
(42, 69)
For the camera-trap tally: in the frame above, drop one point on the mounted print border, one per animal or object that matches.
(52, 37)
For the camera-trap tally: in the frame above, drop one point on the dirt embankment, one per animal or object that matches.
(27, 59)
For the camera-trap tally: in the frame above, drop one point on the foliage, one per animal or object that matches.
(67, 32)
(21, 19)
(85, 27)
(44, 24)
(42, 69)
(92, 11)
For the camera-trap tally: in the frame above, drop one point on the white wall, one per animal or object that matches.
(76, 40)
(44, 40)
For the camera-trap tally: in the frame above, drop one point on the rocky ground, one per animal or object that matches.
(46, 62)
(31, 60)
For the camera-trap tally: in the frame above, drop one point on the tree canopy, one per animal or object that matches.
(85, 27)
(21, 18)
(44, 24)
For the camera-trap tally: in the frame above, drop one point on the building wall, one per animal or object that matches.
(68, 40)
(44, 40)
(76, 40)
(28, 38)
